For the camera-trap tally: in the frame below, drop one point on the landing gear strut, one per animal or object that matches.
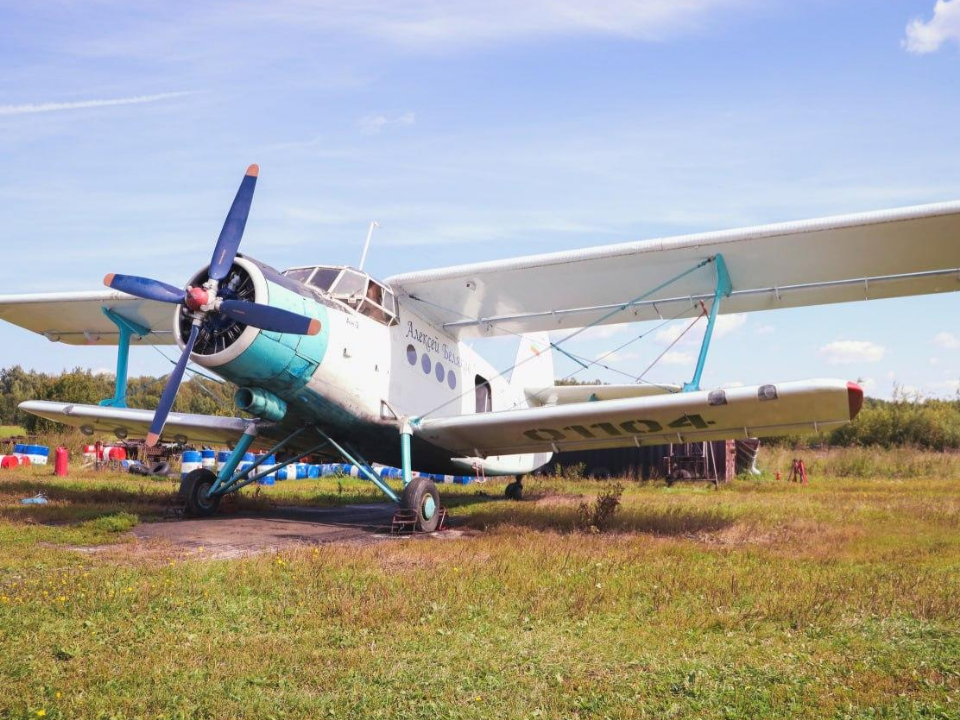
(422, 499)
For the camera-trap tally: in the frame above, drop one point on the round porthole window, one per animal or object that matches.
(411, 355)
(452, 380)
(425, 363)
(439, 372)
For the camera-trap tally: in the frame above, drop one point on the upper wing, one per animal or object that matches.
(912, 251)
(760, 411)
(77, 318)
(124, 422)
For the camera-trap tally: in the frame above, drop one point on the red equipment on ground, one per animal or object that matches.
(799, 472)
(60, 461)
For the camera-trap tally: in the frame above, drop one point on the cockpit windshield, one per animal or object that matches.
(352, 288)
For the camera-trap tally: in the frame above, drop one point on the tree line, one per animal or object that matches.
(199, 395)
(907, 420)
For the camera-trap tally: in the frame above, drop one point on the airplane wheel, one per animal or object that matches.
(421, 497)
(514, 491)
(194, 490)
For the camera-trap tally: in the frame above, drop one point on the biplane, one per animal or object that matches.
(329, 360)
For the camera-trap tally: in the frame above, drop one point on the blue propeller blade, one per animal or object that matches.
(170, 391)
(229, 241)
(145, 288)
(270, 318)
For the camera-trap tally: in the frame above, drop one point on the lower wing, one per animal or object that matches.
(129, 422)
(759, 411)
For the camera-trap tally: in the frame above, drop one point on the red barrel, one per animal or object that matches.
(117, 453)
(9, 461)
(60, 461)
(24, 461)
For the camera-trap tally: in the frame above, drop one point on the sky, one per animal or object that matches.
(476, 131)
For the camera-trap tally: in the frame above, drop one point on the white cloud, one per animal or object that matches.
(948, 341)
(725, 325)
(732, 384)
(764, 329)
(928, 36)
(848, 352)
(84, 104)
(373, 124)
(677, 358)
(934, 361)
(426, 22)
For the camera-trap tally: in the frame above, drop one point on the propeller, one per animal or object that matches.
(205, 302)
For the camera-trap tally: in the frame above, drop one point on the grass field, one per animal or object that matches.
(9, 431)
(763, 599)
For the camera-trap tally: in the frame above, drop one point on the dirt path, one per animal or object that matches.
(266, 531)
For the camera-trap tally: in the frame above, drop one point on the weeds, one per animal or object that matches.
(596, 518)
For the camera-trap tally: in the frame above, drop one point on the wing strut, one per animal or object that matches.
(127, 329)
(724, 288)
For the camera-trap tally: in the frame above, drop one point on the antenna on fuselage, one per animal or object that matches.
(366, 245)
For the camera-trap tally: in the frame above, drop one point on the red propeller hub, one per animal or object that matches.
(196, 298)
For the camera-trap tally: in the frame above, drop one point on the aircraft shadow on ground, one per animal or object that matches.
(484, 510)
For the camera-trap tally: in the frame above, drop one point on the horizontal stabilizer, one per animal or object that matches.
(759, 411)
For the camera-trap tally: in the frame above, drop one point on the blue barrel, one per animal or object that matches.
(222, 458)
(270, 479)
(313, 471)
(303, 471)
(190, 461)
(287, 472)
(37, 454)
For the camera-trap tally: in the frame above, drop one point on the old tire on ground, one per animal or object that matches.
(193, 491)
(160, 468)
(421, 497)
(514, 491)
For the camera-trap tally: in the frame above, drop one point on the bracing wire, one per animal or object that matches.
(563, 340)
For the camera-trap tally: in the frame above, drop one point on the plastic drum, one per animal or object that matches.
(190, 460)
(208, 459)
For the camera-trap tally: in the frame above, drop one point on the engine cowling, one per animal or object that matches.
(278, 362)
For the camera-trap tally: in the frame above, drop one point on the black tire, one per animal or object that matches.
(421, 497)
(514, 491)
(160, 468)
(193, 491)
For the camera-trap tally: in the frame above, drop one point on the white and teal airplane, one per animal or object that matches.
(329, 360)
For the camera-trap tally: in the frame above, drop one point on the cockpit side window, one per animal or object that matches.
(324, 278)
(378, 303)
(300, 274)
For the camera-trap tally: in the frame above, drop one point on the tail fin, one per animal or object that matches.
(533, 367)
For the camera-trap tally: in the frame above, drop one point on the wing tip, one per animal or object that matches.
(854, 398)
(253, 170)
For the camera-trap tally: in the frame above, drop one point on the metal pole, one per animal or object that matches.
(366, 245)
(126, 328)
(243, 444)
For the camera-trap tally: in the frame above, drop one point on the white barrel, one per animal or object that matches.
(208, 460)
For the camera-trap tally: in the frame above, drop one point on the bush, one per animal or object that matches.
(596, 518)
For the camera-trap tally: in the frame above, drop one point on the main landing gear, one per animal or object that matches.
(195, 493)
(421, 498)
(201, 490)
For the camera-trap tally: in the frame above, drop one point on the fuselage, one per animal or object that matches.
(375, 361)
